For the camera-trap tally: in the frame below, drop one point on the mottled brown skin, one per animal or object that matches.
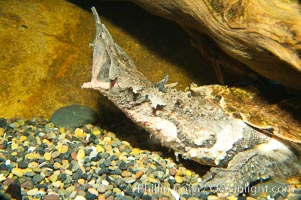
(192, 124)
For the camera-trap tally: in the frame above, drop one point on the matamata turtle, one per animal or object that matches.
(241, 145)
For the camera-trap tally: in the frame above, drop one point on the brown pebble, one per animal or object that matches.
(111, 197)
(138, 174)
(73, 155)
(52, 197)
(173, 171)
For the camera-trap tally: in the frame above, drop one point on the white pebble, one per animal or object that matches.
(105, 182)
(80, 197)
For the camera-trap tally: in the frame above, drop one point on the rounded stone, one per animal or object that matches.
(178, 179)
(93, 191)
(57, 184)
(102, 188)
(126, 173)
(18, 172)
(37, 179)
(32, 192)
(74, 116)
(22, 164)
(52, 197)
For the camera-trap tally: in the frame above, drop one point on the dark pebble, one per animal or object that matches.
(123, 187)
(42, 186)
(77, 175)
(116, 171)
(103, 171)
(68, 180)
(104, 155)
(62, 177)
(82, 187)
(118, 182)
(3, 123)
(201, 195)
(107, 162)
(74, 116)
(146, 197)
(132, 170)
(114, 157)
(41, 151)
(138, 194)
(186, 196)
(66, 156)
(75, 138)
(22, 164)
(87, 160)
(93, 138)
(21, 154)
(26, 133)
(122, 165)
(90, 196)
(127, 198)
(13, 158)
(48, 166)
(37, 179)
(171, 182)
(84, 176)
(30, 174)
(96, 158)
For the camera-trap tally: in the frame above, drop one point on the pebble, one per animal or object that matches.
(101, 188)
(79, 197)
(53, 177)
(32, 192)
(47, 156)
(79, 133)
(57, 165)
(212, 197)
(90, 163)
(74, 116)
(62, 149)
(129, 180)
(138, 174)
(80, 154)
(55, 154)
(52, 197)
(18, 172)
(178, 179)
(126, 173)
(81, 181)
(93, 191)
(57, 184)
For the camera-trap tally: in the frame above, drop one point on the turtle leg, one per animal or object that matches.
(249, 167)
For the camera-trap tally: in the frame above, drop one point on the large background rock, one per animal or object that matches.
(45, 53)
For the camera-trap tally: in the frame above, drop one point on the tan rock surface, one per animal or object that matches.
(45, 56)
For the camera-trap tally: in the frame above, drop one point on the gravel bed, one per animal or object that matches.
(87, 163)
